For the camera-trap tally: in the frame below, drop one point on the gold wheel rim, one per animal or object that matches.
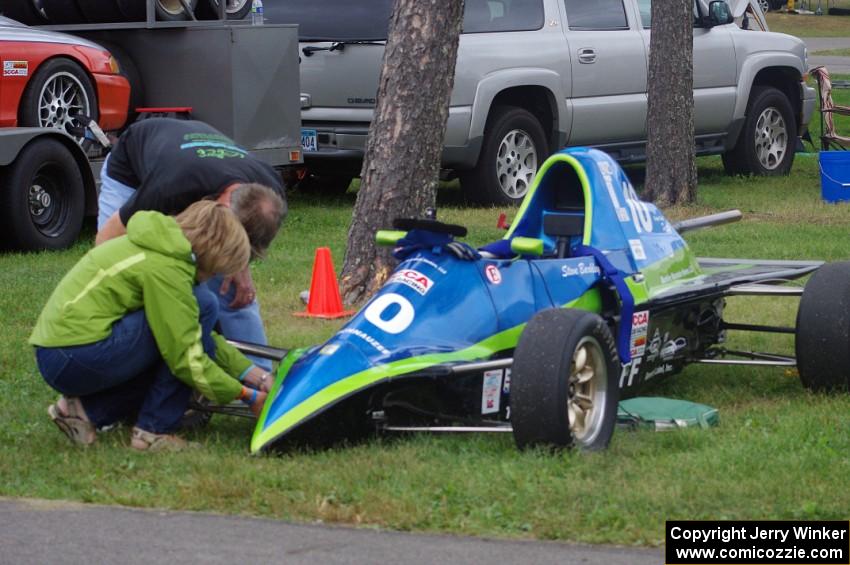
(587, 390)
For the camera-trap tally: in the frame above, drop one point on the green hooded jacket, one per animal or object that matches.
(152, 267)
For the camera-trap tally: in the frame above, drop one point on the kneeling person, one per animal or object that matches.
(127, 333)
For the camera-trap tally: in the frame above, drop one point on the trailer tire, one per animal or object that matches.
(63, 12)
(564, 381)
(101, 11)
(172, 10)
(78, 94)
(823, 330)
(24, 11)
(43, 197)
(234, 9)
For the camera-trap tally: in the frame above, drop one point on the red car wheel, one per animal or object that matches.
(59, 90)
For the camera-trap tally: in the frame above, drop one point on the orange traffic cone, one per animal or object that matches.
(324, 301)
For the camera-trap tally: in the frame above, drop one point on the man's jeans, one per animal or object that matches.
(112, 196)
(125, 374)
(243, 324)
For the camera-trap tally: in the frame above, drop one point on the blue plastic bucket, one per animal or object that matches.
(835, 175)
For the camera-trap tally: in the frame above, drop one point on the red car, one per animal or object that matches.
(48, 77)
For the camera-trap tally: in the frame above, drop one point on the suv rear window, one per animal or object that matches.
(599, 15)
(368, 20)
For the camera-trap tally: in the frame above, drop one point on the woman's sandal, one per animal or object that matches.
(71, 421)
(142, 440)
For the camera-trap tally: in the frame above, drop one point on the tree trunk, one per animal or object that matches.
(402, 161)
(671, 175)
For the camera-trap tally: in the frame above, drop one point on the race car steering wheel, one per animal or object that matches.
(408, 224)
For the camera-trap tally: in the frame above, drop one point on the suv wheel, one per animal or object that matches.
(764, 5)
(766, 144)
(514, 148)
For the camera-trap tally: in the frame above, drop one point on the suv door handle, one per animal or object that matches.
(586, 55)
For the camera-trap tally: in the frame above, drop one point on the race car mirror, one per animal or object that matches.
(429, 225)
(389, 238)
(527, 246)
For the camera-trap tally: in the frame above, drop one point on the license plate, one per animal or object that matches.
(308, 140)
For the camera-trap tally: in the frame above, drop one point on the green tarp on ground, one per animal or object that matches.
(665, 413)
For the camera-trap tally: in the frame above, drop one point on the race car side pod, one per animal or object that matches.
(708, 221)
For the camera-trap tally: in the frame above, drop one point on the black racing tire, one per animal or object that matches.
(514, 147)
(101, 11)
(234, 9)
(43, 197)
(63, 12)
(172, 10)
(768, 139)
(554, 405)
(40, 105)
(823, 330)
(133, 10)
(24, 11)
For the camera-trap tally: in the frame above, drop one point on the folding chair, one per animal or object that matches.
(829, 138)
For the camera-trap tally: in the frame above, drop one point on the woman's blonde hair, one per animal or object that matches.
(218, 240)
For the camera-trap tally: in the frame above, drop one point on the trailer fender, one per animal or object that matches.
(13, 140)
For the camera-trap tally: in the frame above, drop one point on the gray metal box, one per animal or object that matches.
(241, 79)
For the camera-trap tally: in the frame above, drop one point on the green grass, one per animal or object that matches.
(833, 53)
(807, 25)
(779, 453)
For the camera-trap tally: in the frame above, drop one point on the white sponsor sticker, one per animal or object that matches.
(640, 324)
(15, 68)
(637, 249)
(491, 391)
(414, 279)
(506, 385)
(493, 274)
(329, 349)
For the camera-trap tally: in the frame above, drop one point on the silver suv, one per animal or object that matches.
(534, 76)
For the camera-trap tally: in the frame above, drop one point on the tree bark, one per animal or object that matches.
(671, 175)
(402, 161)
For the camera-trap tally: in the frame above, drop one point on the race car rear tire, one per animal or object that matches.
(234, 9)
(101, 11)
(63, 12)
(172, 10)
(133, 10)
(24, 11)
(823, 330)
(564, 382)
(43, 198)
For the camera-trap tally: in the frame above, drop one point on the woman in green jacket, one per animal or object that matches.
(128, 331)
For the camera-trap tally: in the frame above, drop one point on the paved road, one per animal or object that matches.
(40, 531)
(836, 65)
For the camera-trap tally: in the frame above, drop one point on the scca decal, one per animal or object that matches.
(414, 279)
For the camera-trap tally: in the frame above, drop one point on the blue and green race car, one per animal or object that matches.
(591, 293)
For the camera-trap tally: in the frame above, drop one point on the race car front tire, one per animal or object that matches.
(823, 330)
(564, 386)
